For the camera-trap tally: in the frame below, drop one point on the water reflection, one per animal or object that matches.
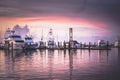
(103, 56)
(118, 51)
(59, 64)
(71, 52)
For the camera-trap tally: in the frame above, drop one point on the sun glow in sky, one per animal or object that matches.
(60, 25)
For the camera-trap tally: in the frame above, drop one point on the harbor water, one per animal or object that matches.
(60, 64)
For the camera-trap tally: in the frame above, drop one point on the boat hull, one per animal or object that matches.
(30, 46)
(14, 46)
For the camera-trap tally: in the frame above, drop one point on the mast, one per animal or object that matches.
(42, 36)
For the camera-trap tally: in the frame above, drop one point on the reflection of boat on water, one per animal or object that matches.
(29, 43)
(29, 52)
(15, 54)
(13, 41)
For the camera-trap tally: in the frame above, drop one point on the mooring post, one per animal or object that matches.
(69, 45)
(107, 44)
(12, 45)
(64, 45)
(58, 45)
(89, 45)
(81, 45)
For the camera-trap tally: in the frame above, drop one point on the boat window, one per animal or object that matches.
(19, 41)
(15, 36)
(28, 38)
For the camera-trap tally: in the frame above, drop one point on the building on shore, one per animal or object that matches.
(72, 43)
(117, 42)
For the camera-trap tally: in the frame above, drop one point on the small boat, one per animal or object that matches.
(42, 44)
(29, 43)
(13, 41)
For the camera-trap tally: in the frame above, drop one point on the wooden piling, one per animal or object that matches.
(58, 45)
(107, 45)
(89, 45)
(64, 45)
(12, 45)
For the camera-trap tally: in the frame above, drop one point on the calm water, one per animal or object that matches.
(60, 65)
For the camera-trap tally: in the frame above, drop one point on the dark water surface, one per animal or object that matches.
(60, 65)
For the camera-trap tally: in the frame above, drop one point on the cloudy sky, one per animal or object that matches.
(90, 19)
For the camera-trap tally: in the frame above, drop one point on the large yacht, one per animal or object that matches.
(29, 43)
(13, 41)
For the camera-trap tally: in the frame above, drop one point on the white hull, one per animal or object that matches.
(14, 46)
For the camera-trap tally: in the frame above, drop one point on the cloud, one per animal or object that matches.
(107, 11)
(75, 8)
(21, 31)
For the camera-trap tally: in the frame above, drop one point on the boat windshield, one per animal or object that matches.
(19, 41)
(15, 36)
(28, 38)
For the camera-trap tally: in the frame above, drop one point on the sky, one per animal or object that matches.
(90, 19)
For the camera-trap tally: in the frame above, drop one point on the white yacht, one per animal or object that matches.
(101, 43)
(29, 43)
(50, 42)
(13, 41)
